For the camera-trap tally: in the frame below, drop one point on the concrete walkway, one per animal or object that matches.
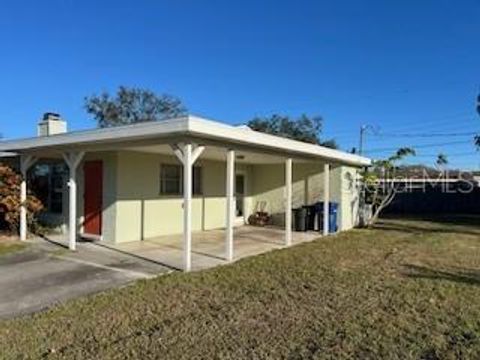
(46, 274)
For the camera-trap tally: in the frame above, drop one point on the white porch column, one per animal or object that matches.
(23, 208)
(187, 207)
(72, 159)
(26, 161)
(187, 155)
(72, 210)
(326, 198)
(288, 202)
(230, 200)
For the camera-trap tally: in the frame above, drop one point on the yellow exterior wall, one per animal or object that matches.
(133, 208)
(307, 188)
(142, 213)
(350, 198)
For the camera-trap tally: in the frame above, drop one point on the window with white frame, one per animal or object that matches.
(171, 180)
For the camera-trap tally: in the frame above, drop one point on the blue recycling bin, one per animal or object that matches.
(332, 216)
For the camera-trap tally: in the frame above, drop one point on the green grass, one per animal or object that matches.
(408, 289)
(7, 247)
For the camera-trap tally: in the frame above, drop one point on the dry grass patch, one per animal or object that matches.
(9, 244)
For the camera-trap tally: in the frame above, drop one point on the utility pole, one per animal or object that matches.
(363, 129)
(363, 132)
(478, 104)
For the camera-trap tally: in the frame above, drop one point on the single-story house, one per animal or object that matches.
(131, 183)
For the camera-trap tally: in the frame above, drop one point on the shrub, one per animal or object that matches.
(10, 199)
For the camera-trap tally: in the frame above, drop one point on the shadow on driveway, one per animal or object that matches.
(44, 275)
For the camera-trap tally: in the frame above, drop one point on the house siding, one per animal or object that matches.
(307, 188)
(348, 216)
(143, 213)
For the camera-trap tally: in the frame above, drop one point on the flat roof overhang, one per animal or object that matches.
(188, 127)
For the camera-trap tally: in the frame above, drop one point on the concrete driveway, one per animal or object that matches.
(45, 274)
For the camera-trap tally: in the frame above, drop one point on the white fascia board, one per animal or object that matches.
(212, 129)
(7, 154)
(104, 135)
(188, 125)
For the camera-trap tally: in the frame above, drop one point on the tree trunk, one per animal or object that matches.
(387, 200)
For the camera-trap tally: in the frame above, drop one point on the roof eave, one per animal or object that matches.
(183, 126)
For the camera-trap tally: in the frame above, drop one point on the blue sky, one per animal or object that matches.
(404, 67)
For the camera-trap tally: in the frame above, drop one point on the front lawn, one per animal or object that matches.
(408, 289)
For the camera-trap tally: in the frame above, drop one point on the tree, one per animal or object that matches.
(379, 182)
(441, 162)
(132, 105)
(304, 128)
(10, 199)
(331, 143)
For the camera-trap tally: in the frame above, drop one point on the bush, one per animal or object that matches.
(10, 199)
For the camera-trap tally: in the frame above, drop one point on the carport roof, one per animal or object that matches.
(191, 126)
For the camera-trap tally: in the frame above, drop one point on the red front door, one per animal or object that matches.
(93, 171)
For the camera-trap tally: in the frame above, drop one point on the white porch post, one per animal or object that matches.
(26, 161)
(72, 159)
(187, 155)
(187, 206)
(288, 202)
(326, 198)
(23, 208)
(230, 201)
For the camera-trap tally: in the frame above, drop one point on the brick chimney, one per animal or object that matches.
(51, 124)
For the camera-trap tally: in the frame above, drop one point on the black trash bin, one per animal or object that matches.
(319, 211)
(300, 219)
(310, 216)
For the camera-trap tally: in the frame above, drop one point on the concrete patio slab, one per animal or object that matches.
(208, 247)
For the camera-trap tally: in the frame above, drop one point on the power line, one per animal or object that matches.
(465, 126)
(387, 136)
(462, 154)
(420, 146)
(415, 124)
(473, 128)
(426, 135)
(378, 139)
(428, 123)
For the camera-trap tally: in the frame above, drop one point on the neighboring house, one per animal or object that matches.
(126, 183)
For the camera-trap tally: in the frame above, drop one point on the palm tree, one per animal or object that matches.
(441, 162)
